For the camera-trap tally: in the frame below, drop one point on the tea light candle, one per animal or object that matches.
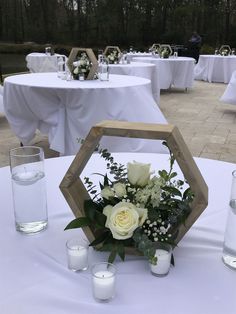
(163, 262)
(77, 256)
(103, 285)
(103, 281)
(81, 77)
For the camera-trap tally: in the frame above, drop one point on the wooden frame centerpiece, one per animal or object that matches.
(75, 192)
(82, 56)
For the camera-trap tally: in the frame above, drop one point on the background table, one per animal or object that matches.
(176, 72)
(66, 110)
(215, 68)
(1, 100)
(35, 278)
(40, 62)
(229, 95)
(131, 55)
(141, 69)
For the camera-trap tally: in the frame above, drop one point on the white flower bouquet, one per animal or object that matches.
(113, 56)
(81, 66)
(135, 208)
(225, 52)
(164, 52)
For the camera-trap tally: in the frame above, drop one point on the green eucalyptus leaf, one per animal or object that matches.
(112, 256)
(100, 238)
(121, 251)
(78, 223)
(172, 190)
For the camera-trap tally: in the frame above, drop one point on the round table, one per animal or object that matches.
(215, 68)
(229, 95)
(66, 110)
(146, 70)
(131, 55)
(1, 100)
(173, 72)
(34, 274)
(41, 62)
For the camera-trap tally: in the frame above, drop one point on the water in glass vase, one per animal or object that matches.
(229, 248)
(30, 203)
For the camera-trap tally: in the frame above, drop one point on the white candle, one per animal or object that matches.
(77, 257)
(103, 285)
(163, 262)
(26, 177)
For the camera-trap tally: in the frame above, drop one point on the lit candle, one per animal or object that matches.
(77, 256)
(163, 262)
(103, 281)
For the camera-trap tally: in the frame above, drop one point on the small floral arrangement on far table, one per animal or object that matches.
(113, 56)
(225, 52)
(135, 207)
(164, 52)
(81, 67)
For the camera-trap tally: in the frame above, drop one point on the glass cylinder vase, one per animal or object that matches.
(29, 189)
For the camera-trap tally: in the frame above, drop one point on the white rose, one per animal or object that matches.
(120, 189)
(76, 71)
(76, 63)
(138, 173)
(107, 193)
(123, 220)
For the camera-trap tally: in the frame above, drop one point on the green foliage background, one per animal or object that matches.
(96, 23)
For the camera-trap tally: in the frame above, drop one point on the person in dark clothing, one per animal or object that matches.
(194, 45)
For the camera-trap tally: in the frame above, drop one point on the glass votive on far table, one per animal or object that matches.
(175, 54)
(81, 77)
(103, 281)
(61, 67)
(163, 254)
(77, 254)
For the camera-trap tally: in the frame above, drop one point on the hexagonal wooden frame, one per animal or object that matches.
(163, 46)
(108, 48)
(72, 57)
(156, 46)
(223, 47)
(75, 192)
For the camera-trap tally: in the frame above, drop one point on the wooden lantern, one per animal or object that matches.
(75, 192)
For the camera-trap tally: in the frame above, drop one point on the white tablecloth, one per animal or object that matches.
(1, 100)
(35, 278)
(176, 72)
(215, 68)
(66, 110)
(146, 70)
(40, 62)
(229, 95)
(131, 55)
